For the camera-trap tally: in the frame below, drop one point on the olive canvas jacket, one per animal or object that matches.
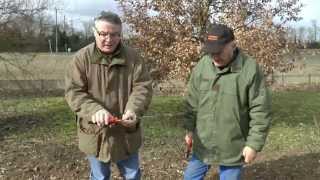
(116, 82)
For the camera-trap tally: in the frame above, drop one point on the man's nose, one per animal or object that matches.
(107, 38)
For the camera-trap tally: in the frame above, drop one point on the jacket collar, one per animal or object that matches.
(116, 58)
(234, 66)
(237, 63)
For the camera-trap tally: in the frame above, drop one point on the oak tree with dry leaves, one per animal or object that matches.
(169, 34)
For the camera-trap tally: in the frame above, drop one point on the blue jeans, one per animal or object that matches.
(196, 170)
(129, 168)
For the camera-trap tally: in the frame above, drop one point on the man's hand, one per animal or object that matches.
(129, 119)
(249, 154)
(101, 117)
(188, 140)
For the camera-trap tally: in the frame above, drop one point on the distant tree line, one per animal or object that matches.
(306, 36)
(25, 26)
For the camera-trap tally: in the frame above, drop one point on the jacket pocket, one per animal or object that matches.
(204, 92)
(89, 143)
(90, 136)
(87, 127)
(230, 88)
(130, 130)
(133, 140)
(232, 142)
(205, 85)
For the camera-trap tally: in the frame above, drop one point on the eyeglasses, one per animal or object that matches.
(104, 34)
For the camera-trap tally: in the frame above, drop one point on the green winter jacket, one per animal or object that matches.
(227, 109)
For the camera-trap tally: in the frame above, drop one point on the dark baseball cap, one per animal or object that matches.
(218, 35)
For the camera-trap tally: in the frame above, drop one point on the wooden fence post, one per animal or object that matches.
(309, 79)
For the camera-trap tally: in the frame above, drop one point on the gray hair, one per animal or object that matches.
(108, 17)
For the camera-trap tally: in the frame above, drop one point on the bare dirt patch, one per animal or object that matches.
(44, 158)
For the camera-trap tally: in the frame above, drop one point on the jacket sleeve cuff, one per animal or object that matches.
(89, 111)
(189, 127)
(132, 108)
(257, 147)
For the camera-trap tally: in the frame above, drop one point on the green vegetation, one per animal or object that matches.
(296, 120)
(37, 118)
(295, 125)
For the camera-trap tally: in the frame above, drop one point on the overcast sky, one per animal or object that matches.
(310, 11)
(76, 11)
(85, 8)
(79, 10)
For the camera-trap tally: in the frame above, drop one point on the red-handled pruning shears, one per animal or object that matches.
(112, 120)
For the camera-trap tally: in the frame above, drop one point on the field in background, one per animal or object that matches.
(308, 63)
(44, 71)
(52, 66)
(32, 66)
(306, 70)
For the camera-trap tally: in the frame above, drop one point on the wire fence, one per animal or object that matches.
(56, 85)
(42, 72)
(295, 79)
(161, 88)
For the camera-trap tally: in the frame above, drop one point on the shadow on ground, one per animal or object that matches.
(294, 167)
(19, 124)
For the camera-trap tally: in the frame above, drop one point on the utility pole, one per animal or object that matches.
(64, 33)
(71, 24)
(56, 30)
(64, 23)
(50, 48)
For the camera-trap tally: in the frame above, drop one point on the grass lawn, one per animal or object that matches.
(41, 122)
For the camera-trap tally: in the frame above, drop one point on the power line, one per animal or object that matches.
(56, 10)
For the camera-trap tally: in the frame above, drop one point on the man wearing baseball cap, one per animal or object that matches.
(228, 108)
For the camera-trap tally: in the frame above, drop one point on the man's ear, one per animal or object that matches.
(93, 30)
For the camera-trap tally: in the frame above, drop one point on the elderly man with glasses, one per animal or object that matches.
(109, 88)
